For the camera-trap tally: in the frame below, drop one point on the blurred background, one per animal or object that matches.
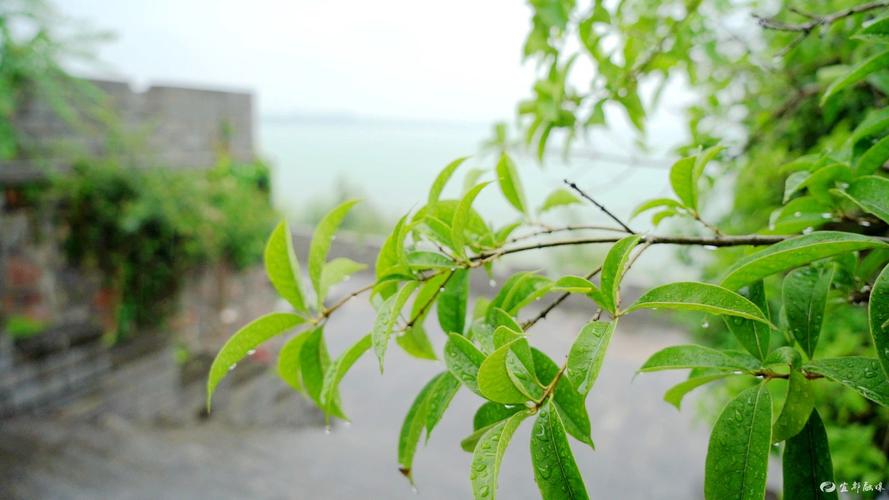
(146, 150)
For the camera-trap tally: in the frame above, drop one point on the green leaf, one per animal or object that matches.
(282, 267)
(504, 335)
(675, 394)
(876, 31)
(416, 342)
(429, 260)
(569, 402)
(875, 123)
(488, 454)
(800, 214)
(494, 380)
(863, 375)
(424, 413)
(391, 259)
(555, 471)
(793, 253)
(314, 361)
(520, 369)
(587, 353)
(452, 302)
(558, 198)
(461, 219)
(387, 315)
(857, 74)
(794, 183)
(873, 158)
(613, 270)
(753, 335)
(807, 464)
(510, 184)
(443, 177)
(487, 416)
(805, 296)
(246, 340)
(288, 366)
(655, 203)
(696, 356)
(518, 291)
(463, 360)
(322, 238)
(335, 272)
(685, 174)
(738, 454)
(694, 296)
(878, 317)
(338, 370)
(871, 193)
(798, 406)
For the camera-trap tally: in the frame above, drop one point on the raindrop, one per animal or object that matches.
(251, 352)
(333, 237)
(797, 214)
(327, 429)
(453, 269)
(705, 324)
(808, 230)
(826, 215)
(414, 490)
(529, 404)
(441, 289)
(710, 247)
(864, 223)
(492, 283)
(232, 367)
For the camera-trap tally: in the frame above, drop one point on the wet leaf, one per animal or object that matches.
(338, 370)
(863, 375)
(857, 74)
(613, 270)
(807, 464)
(587, 353)
(696, 356)
(510, 184)
(555, 470)
(805, 296)
(443, 177)
(677, 393)
(694, 296)
(878, 317)
(386, 318)
(452, 302)
(488, 454)
(322, 238)
(753, 335)
(282, 267)
(463, 360)
(798, 406)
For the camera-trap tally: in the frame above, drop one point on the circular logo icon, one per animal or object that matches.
(828, 487)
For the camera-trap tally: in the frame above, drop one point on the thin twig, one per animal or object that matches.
(340, 303)
(599, 206)
(555, 303)
(552, 230)
(816, 21)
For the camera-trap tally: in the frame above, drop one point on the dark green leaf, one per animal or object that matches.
(871, 193)
(753, 335)
(555, 471)
(805, 295)
(857, 74)
(798, 406)
(246, 340)
(878, 317)
(873, 158)
(675, 394)
(863, 375)
(793, 253)
(807, 463)
(452, 302)
(613, 270)
(463, 360)
(738, 454)
(566, 399)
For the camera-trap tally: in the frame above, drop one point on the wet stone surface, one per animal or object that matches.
(144, 434)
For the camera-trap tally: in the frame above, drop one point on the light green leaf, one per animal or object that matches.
(871, 193)
(282, 267)
(429, 260)
(793, 253)
(518, 291)
(245, 340)
(463, 360)
(510, 184)
(488, 454)
(494, 380)
(875, 123)
(694, 296)
(504, 335)
(587, 353)
(416, 342)
(387, 315)
(288, 361)
(461, 219)
(443, 177)
(422, 415)
(314, 361)
(805, 296)
(818, 182)
(876, 31)
(335, 272)
(798, 406)
(555, 471)
(863, 375)
(339, 368)
(753, 335)
(391, 259)
(675, 394)
(683, 181)
(857, 74)
(696, 356)
(452, 302)
(878, 316)
(794, 182)
(520, 368)
(487, 416)
(613, 270)
(738, 454)
(559, 198)
(655, 203)
(807, 464)
(800, 214)
(322, 238)
(784, 355)
(873, 158)
(569, 402)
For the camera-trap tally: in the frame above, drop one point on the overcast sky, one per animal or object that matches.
(455, 60)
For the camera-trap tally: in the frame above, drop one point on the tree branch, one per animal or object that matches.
(554, 304)
(816, 21)
(599, 206)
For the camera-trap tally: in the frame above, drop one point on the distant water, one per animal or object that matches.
(392, 164)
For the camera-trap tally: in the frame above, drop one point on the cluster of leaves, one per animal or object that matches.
(144, 229)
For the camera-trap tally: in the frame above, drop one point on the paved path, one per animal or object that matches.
(644, 447)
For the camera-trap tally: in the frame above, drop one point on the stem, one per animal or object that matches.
(551, 230)
(599, 206)
(340, 303)
(816, 21)
(554, 304)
